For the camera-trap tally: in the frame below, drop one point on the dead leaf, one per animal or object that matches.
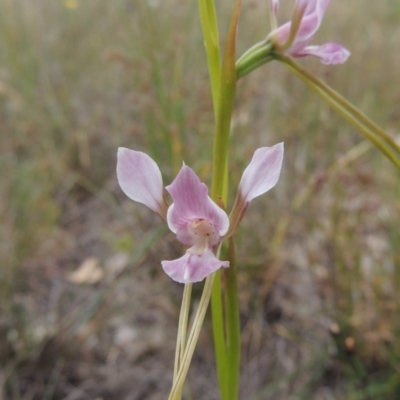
(88, 273)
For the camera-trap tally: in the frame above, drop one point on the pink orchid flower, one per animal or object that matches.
(197, 221)
(306, 21)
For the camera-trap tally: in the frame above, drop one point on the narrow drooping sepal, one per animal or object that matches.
(261, 175)
(191, 201)
(141, 180)
(193, 267)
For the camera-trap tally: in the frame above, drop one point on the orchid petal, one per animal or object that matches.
(140, 179)
(191, 201)
(192, 267)
(262, 173)
(328, 53)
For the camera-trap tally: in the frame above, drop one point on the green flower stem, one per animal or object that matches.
(210, 34)
(221, 356)
(258, 55)
(233, 344)
(227, 372)
(224, 112)
(185, 318)
(182, 328)
(347, 110)
(223, 84)
(251, 67)
(209, 24)
(192, 340)
(249, 54)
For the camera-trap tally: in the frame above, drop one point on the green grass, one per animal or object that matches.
(77, 83)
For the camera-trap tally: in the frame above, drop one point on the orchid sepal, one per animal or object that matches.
(140, 179)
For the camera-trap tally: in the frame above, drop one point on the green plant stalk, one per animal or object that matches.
(247, 69)
(182, 328)
(209, 24)
(192, 340)
(250, 53)
(223, 84)
(227, 372)
(259, 54)
(348, 111)
(185, 319)
(224, 113)
(221, 138)
(232, 322)
(221, 356)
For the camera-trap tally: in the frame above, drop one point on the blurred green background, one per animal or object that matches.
(85, 309)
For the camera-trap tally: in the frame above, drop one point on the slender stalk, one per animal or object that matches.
(192, 340)
(223, 84)
(211, 39)
(185, 318)
(232, 323)
(258, 55)
(224, 111)
(227, 372)
(182, 328)
(221, 357)
(348, 111)
(245, 70)
(248, 54)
